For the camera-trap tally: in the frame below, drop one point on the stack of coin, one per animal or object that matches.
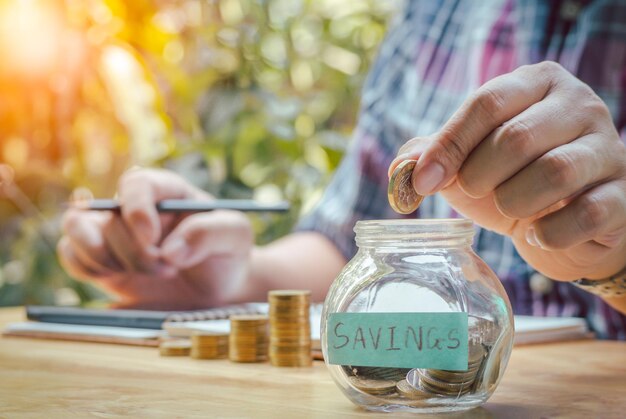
(290, 328)
(377, 373)
(206, 345)
(449, 383)
(178, 347)
(374, 387)
(248, 338)
(407, 391)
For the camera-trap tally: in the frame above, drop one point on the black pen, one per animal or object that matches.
(187, 205)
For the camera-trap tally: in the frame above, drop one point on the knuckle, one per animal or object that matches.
(130, 177)
(136, 176)
(550, 67)
(558, 169)
(590, 215)
(489, 102)
(516, 138)
(452, 148)
(592, 104)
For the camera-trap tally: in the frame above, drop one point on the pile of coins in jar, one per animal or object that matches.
(283, 336)
(411, 386)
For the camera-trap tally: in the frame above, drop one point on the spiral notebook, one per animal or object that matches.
(130, 327)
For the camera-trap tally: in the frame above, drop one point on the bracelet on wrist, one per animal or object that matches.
(613, 286)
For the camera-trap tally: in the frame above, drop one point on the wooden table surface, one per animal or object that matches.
(43, 378)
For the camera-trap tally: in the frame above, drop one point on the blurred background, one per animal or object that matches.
(245, 98)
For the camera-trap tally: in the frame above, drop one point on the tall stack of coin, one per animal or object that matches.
(248, 338)
(290, 328)
(206, 345)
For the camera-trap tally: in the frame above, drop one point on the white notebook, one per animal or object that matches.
(527, 329)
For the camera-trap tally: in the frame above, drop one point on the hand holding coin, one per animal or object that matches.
(534, 155)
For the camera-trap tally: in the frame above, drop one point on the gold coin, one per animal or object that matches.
(401, 194)
(282, 294)
(432, 382)
(249, 320)
(451, 376)
(405, 389)
(381, 373)
(373, 386)
(476, 353)
(175, 348)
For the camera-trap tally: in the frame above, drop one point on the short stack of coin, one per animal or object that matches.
(248, 338)
(450, 383)
(290, 328)
(209, 345)
(178, 347)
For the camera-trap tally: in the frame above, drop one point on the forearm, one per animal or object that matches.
(305, 260)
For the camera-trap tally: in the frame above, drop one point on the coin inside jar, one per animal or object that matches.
(373, 386)
(405, 389)
(401, 194)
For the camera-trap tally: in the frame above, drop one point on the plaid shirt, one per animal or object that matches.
(437, 53)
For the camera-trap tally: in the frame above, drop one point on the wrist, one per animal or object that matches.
(248, 285)
(258, 281)
(611, 287)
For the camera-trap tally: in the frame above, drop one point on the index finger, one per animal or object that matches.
(497, 101)
(140, 190)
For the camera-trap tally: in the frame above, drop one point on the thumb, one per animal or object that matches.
(140, 191)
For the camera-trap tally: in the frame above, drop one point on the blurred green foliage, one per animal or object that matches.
(245, 98)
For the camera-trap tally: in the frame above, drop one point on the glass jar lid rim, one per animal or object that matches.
(418, 227)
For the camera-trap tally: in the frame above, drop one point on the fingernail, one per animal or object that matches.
(531, 237)
(175, 250)
(428, 178)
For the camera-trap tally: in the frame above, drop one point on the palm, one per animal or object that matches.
(202, 286)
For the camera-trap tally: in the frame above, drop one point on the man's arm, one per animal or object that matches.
(304, 260)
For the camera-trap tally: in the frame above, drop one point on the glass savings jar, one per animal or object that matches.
(416, 320)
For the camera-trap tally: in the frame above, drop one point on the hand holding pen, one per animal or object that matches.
(157, 247)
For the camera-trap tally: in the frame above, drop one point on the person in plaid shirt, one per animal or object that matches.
(516, 113)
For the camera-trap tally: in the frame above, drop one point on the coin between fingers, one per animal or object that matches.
(401, 194)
